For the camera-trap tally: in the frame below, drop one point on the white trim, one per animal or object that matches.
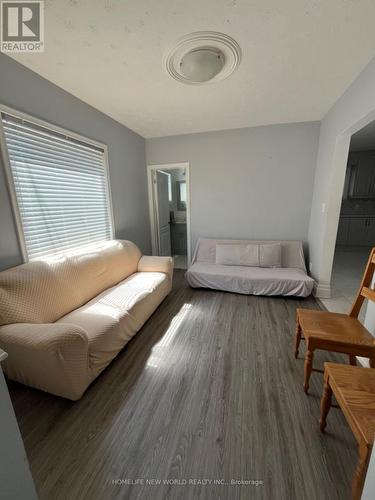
(322, 290)
(9, 176)
(12, 192)
(50, 126)
(108, 190)
(151, 201)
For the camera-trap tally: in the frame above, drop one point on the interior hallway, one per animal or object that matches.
(348, 268)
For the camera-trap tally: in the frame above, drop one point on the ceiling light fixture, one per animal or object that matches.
(203, 57)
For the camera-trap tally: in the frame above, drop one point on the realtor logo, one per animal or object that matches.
(22, 26)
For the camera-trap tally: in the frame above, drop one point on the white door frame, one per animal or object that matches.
(340, 160)
(151, 203)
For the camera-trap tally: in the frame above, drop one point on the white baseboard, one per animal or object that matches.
(322, 290)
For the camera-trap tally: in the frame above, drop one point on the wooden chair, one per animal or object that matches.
(354, 390)
(337, 332)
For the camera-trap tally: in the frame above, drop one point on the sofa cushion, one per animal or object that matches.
(44, 291)
(250, 280)
(291, 251)
(114, 316)
(105, 266)
(237, 255)
(270, 255)
(251, 255)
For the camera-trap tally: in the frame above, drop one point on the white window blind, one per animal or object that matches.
(61, 188)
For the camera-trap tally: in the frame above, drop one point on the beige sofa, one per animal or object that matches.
(64, 320)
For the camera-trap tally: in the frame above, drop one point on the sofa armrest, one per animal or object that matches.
(52, 357)
(151, 263)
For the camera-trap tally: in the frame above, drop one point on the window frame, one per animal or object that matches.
(9, 174)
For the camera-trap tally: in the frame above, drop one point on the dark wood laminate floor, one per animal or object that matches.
(208, 389)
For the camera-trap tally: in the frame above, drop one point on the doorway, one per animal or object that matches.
(169, 204)
(356, 226)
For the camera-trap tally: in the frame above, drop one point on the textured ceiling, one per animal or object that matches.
(298, 57)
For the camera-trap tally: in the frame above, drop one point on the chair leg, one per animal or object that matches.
(297, 339)
(308, 368)
(358, 481)
(325, 405)
(352, 360)
(372, 362)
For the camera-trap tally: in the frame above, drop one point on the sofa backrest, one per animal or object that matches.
(45, 290)
(291, 251)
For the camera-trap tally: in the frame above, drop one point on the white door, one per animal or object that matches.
(162, 207)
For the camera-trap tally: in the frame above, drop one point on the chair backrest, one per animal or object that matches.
(365, 291)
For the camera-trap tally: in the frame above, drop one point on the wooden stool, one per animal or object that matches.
(354, 390)
(337, 332)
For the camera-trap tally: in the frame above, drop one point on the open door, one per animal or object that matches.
(162, 213)
(169, 205)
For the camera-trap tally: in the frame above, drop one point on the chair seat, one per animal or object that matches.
(354, 388)
(337, 332)
(333, 327)
(354, 391)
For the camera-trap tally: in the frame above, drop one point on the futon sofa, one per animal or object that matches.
(250, 267)
(64, 319)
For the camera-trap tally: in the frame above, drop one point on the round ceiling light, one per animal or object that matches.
(201, 65)
(203, 57)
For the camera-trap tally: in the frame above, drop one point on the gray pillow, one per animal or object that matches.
(270, 255)
(251, 255)
(237, 255)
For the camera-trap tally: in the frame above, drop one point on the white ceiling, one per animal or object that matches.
(298, 57)
(364, 139)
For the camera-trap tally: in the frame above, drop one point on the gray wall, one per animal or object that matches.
(353, 106)
(246, 183)
(26, 91)
(354, 109)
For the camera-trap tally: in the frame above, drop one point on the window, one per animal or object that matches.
(60, 185)
(181, 195)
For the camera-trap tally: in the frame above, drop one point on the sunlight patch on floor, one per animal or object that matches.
(157, 356)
